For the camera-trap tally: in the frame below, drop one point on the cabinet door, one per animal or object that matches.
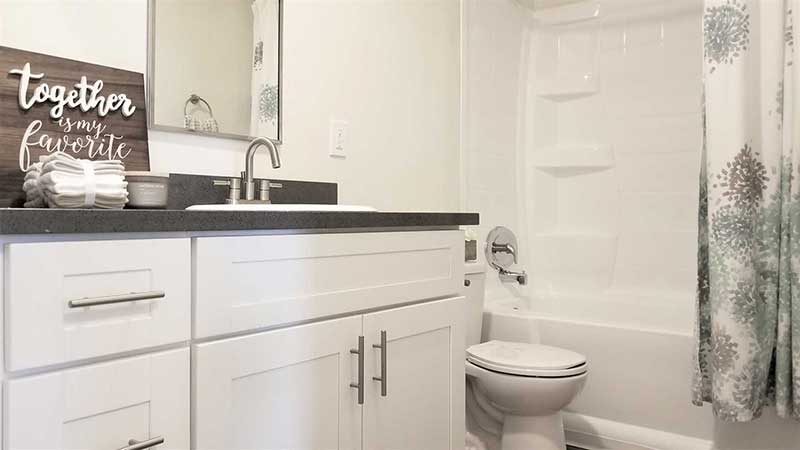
(282, 389)
(424, 403)
(102, 406)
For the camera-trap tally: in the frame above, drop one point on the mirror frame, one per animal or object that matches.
(151, 72)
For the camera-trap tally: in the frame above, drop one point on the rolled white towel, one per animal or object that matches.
(34, 169)
(57, 166)
(58, 179)
(34, 197)
(63, 162)
(37, 203)
(31, 187)
(78, 200)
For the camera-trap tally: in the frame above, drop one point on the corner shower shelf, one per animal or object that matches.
(565, 160)
(568, 14)
(563, 90)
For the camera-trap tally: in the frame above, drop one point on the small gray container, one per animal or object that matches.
(147, 190)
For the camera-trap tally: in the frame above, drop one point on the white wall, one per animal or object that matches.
(391, 69)
(494, 64)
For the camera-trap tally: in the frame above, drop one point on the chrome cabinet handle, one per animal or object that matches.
(360, 385)
(133, 444)
(112, 299)
(382, 378)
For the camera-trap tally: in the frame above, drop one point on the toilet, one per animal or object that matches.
(521, 386)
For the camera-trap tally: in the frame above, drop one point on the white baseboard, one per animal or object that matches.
(593, 433)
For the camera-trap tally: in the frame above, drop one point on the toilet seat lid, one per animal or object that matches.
(517, 358)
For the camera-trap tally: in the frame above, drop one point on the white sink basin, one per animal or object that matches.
(286, 207)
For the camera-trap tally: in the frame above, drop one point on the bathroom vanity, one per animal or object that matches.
(222, 330)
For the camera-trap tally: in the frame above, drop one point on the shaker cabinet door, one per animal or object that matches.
(102, 406)
(423, 405)
(282, 389)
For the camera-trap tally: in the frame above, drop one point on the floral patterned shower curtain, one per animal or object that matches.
(748, 302)
(264, 83)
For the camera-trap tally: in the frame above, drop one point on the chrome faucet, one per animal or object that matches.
(519, 277)
(501, 253)
(249, 185)
(235, 194)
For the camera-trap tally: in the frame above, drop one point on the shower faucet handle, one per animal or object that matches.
(505, 248)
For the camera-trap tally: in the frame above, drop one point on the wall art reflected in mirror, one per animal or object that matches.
(214, 67)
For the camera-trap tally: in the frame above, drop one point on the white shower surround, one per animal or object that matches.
(598, 176)
(613, 153)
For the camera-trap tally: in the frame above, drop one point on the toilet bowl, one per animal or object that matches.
(522, 387)
(526, 386)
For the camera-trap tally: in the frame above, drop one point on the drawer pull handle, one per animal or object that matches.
(382, 378)
(133, 444)
(360, 385)
(112, 299)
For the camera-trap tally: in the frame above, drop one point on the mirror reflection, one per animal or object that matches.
(214, 67)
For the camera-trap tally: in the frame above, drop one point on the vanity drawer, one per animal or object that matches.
(250, 282)
(102, 406)
(67, 301)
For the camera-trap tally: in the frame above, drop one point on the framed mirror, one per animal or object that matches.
(215, 67)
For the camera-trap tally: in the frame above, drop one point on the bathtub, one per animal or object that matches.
(638, 392)
(668, 314)
(640, 368)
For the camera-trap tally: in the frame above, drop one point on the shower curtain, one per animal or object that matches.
(264, 82)
(748, 298)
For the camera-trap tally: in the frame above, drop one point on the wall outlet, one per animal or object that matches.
(338, 140)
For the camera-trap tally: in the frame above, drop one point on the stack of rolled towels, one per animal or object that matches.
(60, 181)
(34, 198)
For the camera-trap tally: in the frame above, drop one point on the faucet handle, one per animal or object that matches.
(263, 190)
(233, 182)
(235, 191)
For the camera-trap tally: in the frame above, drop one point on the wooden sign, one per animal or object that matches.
(50, 104)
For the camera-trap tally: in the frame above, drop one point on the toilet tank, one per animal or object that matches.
(474, 280)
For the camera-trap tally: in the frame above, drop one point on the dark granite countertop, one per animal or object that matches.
(57, 221)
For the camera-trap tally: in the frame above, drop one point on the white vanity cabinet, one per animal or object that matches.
(282, 341)
(297, 388)
(102, 406)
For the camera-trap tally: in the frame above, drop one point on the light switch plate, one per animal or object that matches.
(338, 139)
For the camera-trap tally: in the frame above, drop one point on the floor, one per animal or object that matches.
(570, 447)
